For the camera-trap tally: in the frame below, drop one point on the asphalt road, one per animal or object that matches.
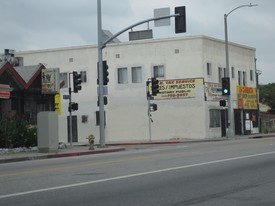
(236, 172)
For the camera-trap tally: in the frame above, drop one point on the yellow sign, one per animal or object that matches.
(247, 98)
(178, 88)
(57, 103)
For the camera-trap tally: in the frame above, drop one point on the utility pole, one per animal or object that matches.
(231, 121)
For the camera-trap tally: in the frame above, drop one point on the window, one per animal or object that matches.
(136, 75)
(122, 75)
(220, 73)
(158, 71)
(244, 79)
(83, 76)
(71, 59)
(232, 72)
(251, 75)
(209, 68)
(239, 77)
(63, 77)
(215, 120)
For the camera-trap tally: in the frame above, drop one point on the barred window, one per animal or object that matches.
(215, 118)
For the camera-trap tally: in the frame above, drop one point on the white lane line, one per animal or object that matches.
(133, 175)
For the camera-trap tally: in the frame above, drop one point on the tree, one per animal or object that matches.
(267, 95)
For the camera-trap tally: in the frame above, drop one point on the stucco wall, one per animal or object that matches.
(126, 111)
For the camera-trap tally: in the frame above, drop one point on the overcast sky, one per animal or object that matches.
(42, 24)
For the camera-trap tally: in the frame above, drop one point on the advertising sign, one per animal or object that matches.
(178, 88)
(213, 91)
(5, 91)
(247, 98)
(50, 81)
(57, 103)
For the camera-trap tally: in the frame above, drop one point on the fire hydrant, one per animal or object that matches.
(91, 140)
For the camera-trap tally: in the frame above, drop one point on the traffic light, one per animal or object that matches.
(180, 21)
(153, 107)
(222, 103)
(154, 86)
(73, 107)
(225, 86)
(105, 101)
(77, 81)
(105, 73)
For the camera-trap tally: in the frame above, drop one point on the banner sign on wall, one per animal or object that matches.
(247, 98)
(50, 81)
(178, 88)
(5, 91)
(213, 91)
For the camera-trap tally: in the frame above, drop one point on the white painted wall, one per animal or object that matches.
(127, 118)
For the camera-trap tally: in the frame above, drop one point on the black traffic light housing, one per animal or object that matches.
(73, 107)
(153, 107)
(225, 86)
(222, 103)
(76, 81)
(180, 21)
(105, 101)
(154, 86)
(105, 73)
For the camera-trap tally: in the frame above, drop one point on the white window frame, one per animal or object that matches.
(158, 71)
(136, 73)
(244, 78)
(209, 68)
(240, 74)
(83, 76)
(232, 72)
(252, 75)
(220, 74)
(122, 75)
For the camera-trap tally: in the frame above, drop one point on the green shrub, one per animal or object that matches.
(16, 132)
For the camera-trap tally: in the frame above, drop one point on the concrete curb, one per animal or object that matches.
(261, 136)
(60, 155)
(74, 154)
(144, 143)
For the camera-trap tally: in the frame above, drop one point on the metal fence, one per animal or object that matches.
(268, 126)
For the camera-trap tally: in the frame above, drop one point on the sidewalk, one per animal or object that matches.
(79, 150)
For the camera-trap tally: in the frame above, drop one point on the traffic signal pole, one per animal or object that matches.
(70, 111)
(101, 46)
(100, 77)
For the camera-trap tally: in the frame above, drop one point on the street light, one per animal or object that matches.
(231, 120)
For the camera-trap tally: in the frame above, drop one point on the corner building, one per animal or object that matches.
(189, 70)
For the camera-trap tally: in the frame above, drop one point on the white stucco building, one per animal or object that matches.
(199, 59)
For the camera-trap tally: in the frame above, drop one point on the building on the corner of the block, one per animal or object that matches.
(190, 70)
